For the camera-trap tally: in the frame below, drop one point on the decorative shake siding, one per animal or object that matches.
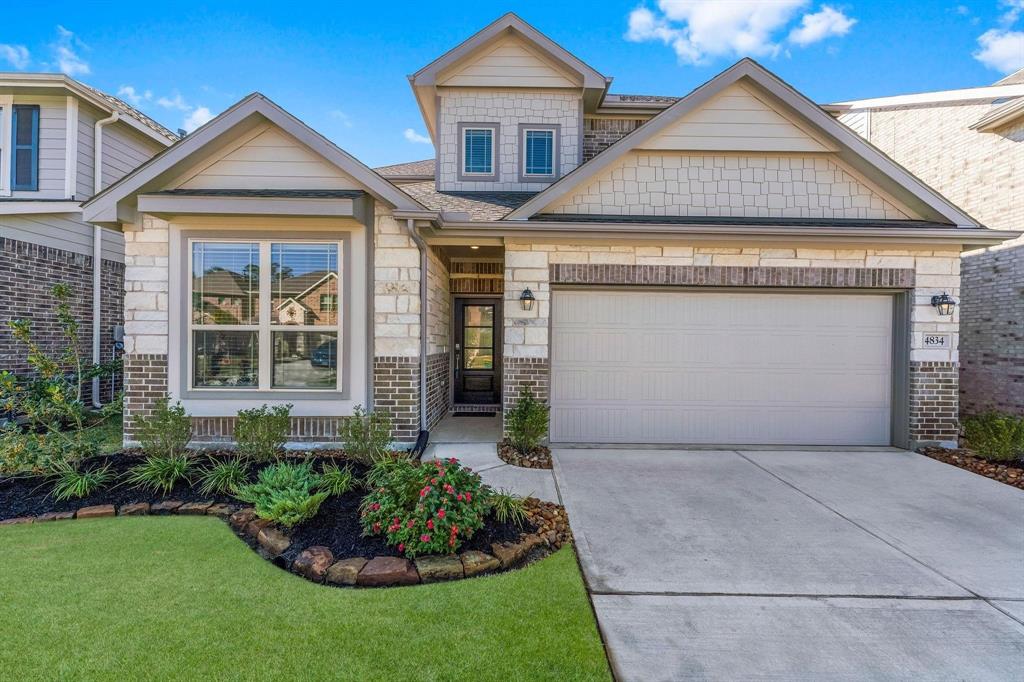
(933, 272)
(508, 108)
(674, 184)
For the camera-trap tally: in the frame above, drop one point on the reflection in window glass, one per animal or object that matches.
(225, 283)
(479, 358)
(479, 315)
(304, 359)
(304, 277)
(225, 359)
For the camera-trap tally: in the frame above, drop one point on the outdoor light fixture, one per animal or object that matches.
(474, 247)
(526, 299)
(944, 304)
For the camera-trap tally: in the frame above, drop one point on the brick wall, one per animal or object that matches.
(438, 385)
(396, 383)
(601, 133)
(934, 409)
(145, 382)
(520, 373)
(992, 331)
(27, 273)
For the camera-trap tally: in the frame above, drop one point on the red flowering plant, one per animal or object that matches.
(428, 508)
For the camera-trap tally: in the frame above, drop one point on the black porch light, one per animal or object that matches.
(944, 304)
(526, 299)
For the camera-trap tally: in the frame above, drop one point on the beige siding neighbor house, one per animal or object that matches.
(732, 266)
(969, 144)
(61, 142)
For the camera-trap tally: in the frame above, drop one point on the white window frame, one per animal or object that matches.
(6, 121)
(265, 330)
(555, 131)
(467, 176)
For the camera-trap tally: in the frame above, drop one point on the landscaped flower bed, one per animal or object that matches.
(994, 448)
(527, 424)
(1010, 473)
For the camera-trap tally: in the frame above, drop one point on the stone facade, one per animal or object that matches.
(146, 254)
(688, 184)
(992, 331)
(924, 272)
(27, 274)
(396, 295)
(508, 108)
(601, 133)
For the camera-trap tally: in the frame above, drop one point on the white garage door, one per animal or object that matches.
(655, 366)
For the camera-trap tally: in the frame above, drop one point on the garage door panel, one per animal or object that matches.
(745, 368)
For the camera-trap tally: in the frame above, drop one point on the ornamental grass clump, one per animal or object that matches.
(335, 480)
(527, 422)
(72, 482)
(283, 493)
(429, 508)
(221, 476)
(995, 436)
(160, 474)
(262, 431)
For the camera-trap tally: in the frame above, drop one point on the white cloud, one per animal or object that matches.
(17, 55)
(340, 115)
(1001, 49)
(700, 31)
(65, 53)
(177, 102)
(413, 136)
(1014, 8)
(816, 27)
(198, 117)
(132, 96)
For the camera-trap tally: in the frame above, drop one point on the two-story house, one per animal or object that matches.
(730, 266)
(969, 145)
(61, 142)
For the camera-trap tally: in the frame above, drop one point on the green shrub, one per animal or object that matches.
(527, 422)
(262, 431)
(167, 431)
(283, 493)
(507, 507)
(160, 474)
(221, 476)
(336, 481)
(996, 436)
(425, 509)
(70, 482)
(366, 436)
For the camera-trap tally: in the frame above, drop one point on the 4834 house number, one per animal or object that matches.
(936, 340)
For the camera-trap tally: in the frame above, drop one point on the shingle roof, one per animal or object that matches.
(285, 193)
(423, 168)
(482, 206)
(640, 98)
(733, 220)
(128, 110)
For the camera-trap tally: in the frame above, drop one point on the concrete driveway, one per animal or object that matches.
(798, 565)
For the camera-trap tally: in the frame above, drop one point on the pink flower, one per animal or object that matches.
(434, 481)
(452, 460)
(469, 497)
(430, 524)
(424, 538)
(440, 513)
(410, 523)
(376, 527)
(401, 546)
(375, 506)
(459, 497)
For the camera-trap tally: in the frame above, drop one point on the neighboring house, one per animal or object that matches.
(61, 141)
(734, 266)
(969, 145)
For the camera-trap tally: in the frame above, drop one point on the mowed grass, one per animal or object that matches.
(168, 598)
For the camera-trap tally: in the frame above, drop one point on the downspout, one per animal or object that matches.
(410, 225)
(97, 252)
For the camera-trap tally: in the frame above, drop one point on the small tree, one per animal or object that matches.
(527, 422)
(167, 432)
(262, 431)
(366, 436)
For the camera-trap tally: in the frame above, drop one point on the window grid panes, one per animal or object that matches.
(265, 315)
(478, 144)
(539, 152)
(478, 337)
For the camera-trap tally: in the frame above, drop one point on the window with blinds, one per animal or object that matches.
(478, 151)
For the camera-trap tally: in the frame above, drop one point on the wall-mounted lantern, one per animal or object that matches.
(526, 299)
(944, 304)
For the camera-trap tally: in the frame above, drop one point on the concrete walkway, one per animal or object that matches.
(797, 564)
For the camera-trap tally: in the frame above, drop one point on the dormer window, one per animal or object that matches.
(538, 146)
(478, 142)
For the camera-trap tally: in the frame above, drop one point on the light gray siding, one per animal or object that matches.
(52, 141)
(124, 150)
(87, 117)
(64, 231)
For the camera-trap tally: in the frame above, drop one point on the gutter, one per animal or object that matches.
(97, 251)
(410, 226)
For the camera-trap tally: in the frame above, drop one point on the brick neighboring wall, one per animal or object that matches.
(145, 381)
(396, 385)
(438, 373)
(992, 331)
(934, 407)
(27, 273)
(601, 133)
(519, 373)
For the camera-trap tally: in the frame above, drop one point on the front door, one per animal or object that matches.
(477, 351)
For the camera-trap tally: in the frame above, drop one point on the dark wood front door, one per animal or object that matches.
(477, 344)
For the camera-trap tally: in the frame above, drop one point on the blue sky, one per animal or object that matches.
(342, 66)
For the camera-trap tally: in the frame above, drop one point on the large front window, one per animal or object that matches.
(257, 316)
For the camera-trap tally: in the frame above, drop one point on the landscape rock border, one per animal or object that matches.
(538, 458)
(965, 459)
(317, 564)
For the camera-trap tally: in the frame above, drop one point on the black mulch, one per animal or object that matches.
(336, 526)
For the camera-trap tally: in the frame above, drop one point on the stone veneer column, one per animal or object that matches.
(525, 357)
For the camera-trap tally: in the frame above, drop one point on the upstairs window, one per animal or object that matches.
(25, 148)
(478, 144)
(539, 156)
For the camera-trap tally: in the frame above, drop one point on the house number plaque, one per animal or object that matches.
(936, 340)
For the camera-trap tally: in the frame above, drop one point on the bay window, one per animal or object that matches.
(256, 320)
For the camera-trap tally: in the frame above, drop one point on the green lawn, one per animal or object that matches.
(183, 598)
